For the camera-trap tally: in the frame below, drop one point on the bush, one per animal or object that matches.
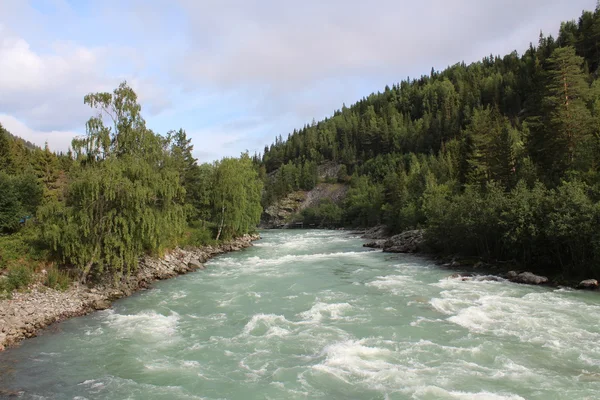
(326, 214)
(198, 235)
(553, 231)
(20, 197)
(22, 248)
(56, 279)
(10, 207)
(18, 277)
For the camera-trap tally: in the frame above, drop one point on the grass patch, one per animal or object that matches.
(18, 277)
(57, 279)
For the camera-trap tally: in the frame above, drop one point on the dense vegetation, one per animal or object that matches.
(122, 191)
(500, 158)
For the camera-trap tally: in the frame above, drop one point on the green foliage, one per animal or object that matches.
(121, 191)
(552, 230)
(124, 195)
(363, 202)
(198, 234)
(10, 207)
(20, 196)
(236, 196)
(57, 279)
(325, 215)
(18, 277)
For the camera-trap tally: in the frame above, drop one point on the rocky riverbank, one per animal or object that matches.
(414, 242)
(27, 313)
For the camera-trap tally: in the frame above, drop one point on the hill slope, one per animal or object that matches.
(499, 158)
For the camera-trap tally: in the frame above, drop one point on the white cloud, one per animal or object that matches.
(45, 89)
(288, 45)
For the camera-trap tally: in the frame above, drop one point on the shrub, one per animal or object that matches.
(56, 279)
(326, 214)
(197, 235)
(18, 277)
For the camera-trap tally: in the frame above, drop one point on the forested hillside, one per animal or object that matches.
(499, 158)
(121, 191)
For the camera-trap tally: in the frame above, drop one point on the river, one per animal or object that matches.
(313, 315)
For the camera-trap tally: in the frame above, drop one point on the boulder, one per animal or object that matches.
(406, 242)
(588, 284)
(100, 304)
(527, 278)
(194, 265)
(377, 244)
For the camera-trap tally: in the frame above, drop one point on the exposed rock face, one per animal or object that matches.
(27, 313)
(406, 242)
(588, 284)
(281, 214)
(526, 278)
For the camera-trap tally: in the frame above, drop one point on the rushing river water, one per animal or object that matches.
(313, 315)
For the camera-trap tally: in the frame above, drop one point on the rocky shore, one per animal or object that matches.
(471, 269)
(27, 313)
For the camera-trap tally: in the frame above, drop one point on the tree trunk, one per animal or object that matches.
(222, 221)
(88, 267)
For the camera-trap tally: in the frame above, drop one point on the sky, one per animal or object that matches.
(237, 73)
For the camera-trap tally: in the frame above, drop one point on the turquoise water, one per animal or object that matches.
(313, 315)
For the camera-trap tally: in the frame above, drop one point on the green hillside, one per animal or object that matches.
(499, 158)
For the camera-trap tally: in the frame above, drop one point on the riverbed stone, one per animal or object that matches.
(195, 265)
(528, 278)
(406, 242)
(377, 244)
(588, 284)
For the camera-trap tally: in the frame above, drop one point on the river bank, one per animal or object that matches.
(414, 242)
(27, 313)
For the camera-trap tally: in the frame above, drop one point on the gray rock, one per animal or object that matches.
(406, 242)
(195, 265)
(511, 275)
(377, 244)
(527, 278)
(100, 304)
(588, 284)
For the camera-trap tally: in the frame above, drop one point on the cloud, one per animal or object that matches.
(45, 89)
(287, 45)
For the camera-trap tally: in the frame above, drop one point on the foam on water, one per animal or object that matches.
(265, 325)
(321, 310)
(146, 323)
(434, 392)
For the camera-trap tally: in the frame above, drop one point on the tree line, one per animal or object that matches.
(499, 158)
(120, 192)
